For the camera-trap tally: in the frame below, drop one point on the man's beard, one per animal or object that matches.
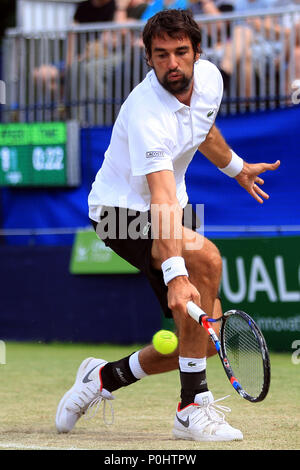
(177, 87)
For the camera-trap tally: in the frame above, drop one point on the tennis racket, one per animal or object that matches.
(242, 350)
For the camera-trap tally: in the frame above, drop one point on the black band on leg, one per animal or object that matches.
(191, 384)
(117, 374)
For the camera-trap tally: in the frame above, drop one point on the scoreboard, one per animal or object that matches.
(40, 154)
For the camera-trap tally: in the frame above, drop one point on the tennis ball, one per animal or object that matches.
(165, 342)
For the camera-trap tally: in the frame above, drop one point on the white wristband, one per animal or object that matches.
(234, 167)
(173, 267)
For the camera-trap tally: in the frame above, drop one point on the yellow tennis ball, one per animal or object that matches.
(165, 342)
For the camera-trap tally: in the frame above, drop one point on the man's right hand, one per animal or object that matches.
(180, 291)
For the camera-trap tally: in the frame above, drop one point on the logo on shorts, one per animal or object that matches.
(146, 228)
(210, 113)
(155, 154)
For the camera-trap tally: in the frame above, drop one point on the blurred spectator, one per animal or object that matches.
(47, 77)
(96, 59)
(236, 51)
(136, 8)
(263, 37)
(210, 7)
(50, 77)
(158, 5)
(89, 11)
(144, 9)
(93, 11)
(247, 43)
(229, 54)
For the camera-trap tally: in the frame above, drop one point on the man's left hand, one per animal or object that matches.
(249, 178)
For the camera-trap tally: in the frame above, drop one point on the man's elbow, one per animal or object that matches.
(208, 141)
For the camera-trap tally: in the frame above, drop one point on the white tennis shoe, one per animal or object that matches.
(86, 392)
(204, 420)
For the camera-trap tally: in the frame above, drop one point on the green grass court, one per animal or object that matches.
(35, 377)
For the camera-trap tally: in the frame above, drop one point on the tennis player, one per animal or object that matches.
(163, 122)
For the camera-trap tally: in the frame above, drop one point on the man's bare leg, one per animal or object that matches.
(204, 267)
(152, 362)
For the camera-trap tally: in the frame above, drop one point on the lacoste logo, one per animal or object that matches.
(185, 422)
(86, 378)
(155, 154)
(192, 364)
(210, 113)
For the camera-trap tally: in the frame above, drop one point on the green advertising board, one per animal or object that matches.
(39, 154)
(260, 276)
(91, 256)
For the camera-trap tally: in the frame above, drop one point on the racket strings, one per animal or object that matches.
(244, 354)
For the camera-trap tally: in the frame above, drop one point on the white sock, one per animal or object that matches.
(135, 366)
(192, 364)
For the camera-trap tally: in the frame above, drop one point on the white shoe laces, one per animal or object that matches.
(84, 401)
(90, 413)
(217, 412)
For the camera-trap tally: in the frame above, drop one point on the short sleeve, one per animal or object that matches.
(150, 145)
(210, 81)
(220, 87)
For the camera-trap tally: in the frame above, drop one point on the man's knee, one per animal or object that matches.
(205, 264)
(214, 260)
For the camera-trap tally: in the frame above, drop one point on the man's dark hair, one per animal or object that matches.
(175, 23)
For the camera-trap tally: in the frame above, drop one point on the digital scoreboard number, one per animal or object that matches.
(39, 154)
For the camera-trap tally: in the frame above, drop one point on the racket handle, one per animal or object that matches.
(195, 312)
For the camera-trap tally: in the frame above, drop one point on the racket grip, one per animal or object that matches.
(195, 312)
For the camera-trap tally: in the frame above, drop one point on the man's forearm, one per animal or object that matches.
(166, 222)
(216, 149)
(167, 229)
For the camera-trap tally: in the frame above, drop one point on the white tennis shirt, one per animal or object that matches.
(155, 132)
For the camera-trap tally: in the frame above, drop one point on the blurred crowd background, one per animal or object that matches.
(80, 59)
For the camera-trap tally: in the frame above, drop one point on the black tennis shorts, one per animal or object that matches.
(128, 233)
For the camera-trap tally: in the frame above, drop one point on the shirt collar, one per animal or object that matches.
(167, 97)
(172, 101)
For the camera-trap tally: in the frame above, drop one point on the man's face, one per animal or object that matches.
(173, 62)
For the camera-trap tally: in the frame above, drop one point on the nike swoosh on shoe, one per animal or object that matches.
(185, 422)
(86, 378)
